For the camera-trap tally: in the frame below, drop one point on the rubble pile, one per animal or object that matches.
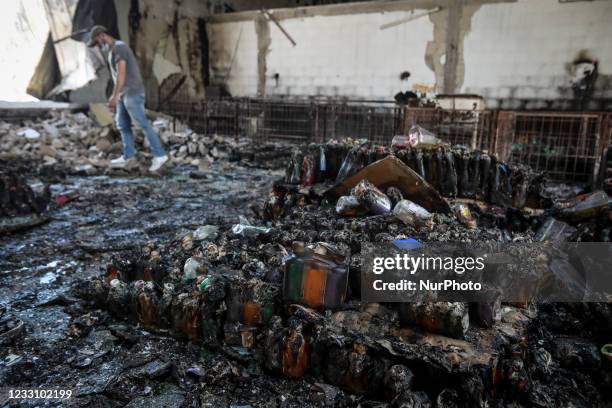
(286, 295)
(77, 143)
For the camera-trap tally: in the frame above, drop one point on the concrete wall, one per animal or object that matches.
(25, 30)
(518, 54)
(521, 55)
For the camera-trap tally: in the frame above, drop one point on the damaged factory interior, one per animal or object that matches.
(306, 203)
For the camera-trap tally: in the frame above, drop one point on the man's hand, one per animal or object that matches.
(112, 102)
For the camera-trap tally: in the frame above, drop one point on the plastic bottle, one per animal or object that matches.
(449, 176)
(349, 163)
(145, 300)
(193, 267)
(422, 135)
(586, 206)
(427, 167)
(292, 175)
(438, 169)
(447, 318)
(297, 169)
(554, 230)
(245, 228)
(370, 197)
(463, 165)
(395, 195)
(294, 274)
(413, 214)
(322, 167)
(331, 160)
(464, 215)
(186, 316)
(349, 206)
(418, 159)
(401, 141)
(485, 171)
(474, 172)
(307, 172)
(294, 350)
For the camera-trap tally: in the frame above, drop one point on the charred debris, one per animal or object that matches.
(240, 290)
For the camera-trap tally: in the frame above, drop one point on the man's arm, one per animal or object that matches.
(121, 69)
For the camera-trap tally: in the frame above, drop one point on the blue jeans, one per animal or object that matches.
(130, 108)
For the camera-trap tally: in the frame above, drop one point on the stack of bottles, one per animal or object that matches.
(453, 171)
(316, 276)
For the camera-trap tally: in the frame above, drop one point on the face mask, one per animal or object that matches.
(104, 48)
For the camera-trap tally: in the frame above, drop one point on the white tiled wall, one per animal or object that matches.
(513, 50)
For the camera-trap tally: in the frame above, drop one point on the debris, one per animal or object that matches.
(66, 197)
(206, 232)
(450, 319)
(101, 114)
(403, 141)
(584, 206)
(349, 206)
(76, 143)
(244, 227)
(421, 136)
(395, 195)
(295, 350)
(10, 329)
(12, 359)
(555, 230)
(21, 222)
(413, 214)
(464, 215)
(391, 172)
(371, 198)
(29, 133)
(252, 308)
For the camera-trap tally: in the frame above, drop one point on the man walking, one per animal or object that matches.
(127, 99)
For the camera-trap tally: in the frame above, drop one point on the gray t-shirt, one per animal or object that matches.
(133, 81)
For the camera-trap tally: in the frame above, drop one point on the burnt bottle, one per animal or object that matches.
(463, 186)
(485, 172)
(294, 350)
(294, 274)
(450, 175)
(474, 173)
(420, 166)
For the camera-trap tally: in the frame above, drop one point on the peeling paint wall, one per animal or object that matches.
(234, 61)
(166, 38)
(515, 53)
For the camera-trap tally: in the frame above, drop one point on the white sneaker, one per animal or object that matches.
(158, 162)
(120, 162)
